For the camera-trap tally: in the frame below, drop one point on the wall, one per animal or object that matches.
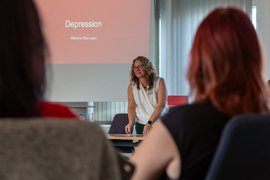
(87, 82)
(263, 27)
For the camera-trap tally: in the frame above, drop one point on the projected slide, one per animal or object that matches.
(96, 31)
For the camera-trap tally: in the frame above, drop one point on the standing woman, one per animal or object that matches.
(147, 96)
(22, 63)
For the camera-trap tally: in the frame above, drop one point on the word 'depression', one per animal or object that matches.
(83, 24)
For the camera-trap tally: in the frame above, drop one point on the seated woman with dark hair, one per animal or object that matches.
(22, 63)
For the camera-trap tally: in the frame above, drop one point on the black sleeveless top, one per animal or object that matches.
(196, 129)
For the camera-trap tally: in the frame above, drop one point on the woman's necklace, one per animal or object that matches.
(146, 87)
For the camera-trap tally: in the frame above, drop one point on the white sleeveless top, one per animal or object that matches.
(146, 101)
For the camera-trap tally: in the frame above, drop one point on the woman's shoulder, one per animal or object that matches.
(48, 109)
(156, 81)
(157, 78)
(132, 83)
(191, 107)
(194, 111)
(193, 117)
(181, 110)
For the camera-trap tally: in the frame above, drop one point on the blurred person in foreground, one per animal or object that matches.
(23, 54)
(225, 78)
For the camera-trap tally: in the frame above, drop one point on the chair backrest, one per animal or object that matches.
(177, 100)
(118, 127)
(244, 150)
(55, 149)
(118, 124)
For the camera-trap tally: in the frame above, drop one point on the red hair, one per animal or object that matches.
(226, 63)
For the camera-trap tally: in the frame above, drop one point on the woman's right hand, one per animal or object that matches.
(128, 128)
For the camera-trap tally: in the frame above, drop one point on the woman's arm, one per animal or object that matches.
(161, 103)
(156, 154)
(131, 111)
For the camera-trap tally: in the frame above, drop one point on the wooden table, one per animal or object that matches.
(134, 137)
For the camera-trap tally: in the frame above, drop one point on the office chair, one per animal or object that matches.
(37, 149)
(244, 150)
(118, 127)
(177, 100)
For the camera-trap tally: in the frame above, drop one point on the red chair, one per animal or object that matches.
(177, 100)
